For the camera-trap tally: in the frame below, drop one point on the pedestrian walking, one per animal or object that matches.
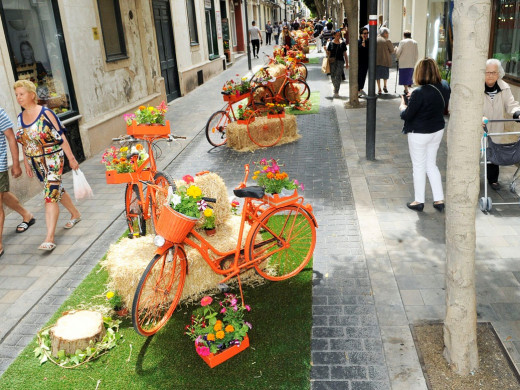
(384, 59)
(286, 39)
(423, 117)
(6, 197)
(327, 34)
(44, 144)
(318, 28)
(407, 55)
(268, 32)
(337, 53)
(255, 36)
(276, 32)
(498, 100)
(362, 60)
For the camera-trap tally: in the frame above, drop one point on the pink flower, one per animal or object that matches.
(223, 310)
(296, 182)
(203, 351)
(188, 179)
(235, 308)
(248, 308)
(302, 187)
(163, 106)
(206, 301)
(263, 161)
(233, 302)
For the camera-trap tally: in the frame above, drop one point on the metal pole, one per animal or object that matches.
(285, 11)
(248, 39)
(371, 98)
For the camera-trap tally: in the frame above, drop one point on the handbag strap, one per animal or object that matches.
(443, 101)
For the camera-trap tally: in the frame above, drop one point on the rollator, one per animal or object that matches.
(499, 154)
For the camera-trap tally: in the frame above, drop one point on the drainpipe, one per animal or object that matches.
(248, 39)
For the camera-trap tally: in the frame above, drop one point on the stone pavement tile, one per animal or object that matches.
(10, 295)
(415, 282)
(507, 330)
(500, 279)
(391, 315)
(507, 311)
(411, 297)
(433, 296)
(485, 312)
(508, 265)
(426, 312)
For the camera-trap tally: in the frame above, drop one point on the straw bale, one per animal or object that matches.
(213, 186)
(127, 259)
(238, 138)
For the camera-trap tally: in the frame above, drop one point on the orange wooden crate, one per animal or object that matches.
(155, 129)
(214, 360)
(112, 177)
(277, 200)
(236, 98)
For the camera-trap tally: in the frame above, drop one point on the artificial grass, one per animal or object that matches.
(278, 358)
(315, 60)
(315, 108)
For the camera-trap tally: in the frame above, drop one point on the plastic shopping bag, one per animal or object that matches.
(82, 189)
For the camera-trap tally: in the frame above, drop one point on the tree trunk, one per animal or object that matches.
(351, 8)
(471, 31)
(75, 331)
(320, 8)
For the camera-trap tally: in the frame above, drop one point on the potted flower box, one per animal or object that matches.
(213, 360)
(233, 98)
(285, 196)
(276, 116)
(148, 129)
(246, 121)
(112, 177)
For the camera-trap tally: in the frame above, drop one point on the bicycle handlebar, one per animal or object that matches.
(212, 200)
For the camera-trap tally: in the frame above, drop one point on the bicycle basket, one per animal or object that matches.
(174, 226)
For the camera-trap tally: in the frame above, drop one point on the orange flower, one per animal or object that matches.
(142, 107)
(115, 161)
(211, 337)
(270, 175)
(229, 328)
(123, 159)
(279, 176)
(139, 147)
(221, 334)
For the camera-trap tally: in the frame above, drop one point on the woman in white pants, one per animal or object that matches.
(423, 115)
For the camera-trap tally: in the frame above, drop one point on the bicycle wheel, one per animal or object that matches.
(261, 95)
(296, 91)
(159, 291)
(158, 198)
(264, 132)
(303, 71)
(216, 128)
(134, 211)
(282, 243)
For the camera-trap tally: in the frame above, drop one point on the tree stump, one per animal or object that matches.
(75, 331)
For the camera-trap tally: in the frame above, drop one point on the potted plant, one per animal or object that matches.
(269, 175)
(245, 115)
(219, 335)
(116, 301)
(119, 163)
(148, 120)
(235, 91)
(234, 206)
(275, 110)
(209, 222)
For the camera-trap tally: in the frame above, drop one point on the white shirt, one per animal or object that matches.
(255, 33)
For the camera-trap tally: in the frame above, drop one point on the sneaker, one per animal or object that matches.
(362, 93)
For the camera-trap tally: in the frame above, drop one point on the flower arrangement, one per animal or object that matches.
(115, 300)
(213, 334)
(147, 115)
(244, 113)
(209, 219)
(187, 199)
(270, 176)
(234, 207)
(275, 108)
(302, 106)
(120, 159)
(232, 87)
(262, 77)
(278, 51)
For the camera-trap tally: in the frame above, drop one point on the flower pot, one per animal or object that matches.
(214, 360)
(112, 177)
(210, 232)
(246, 121)
(236, 97)
(121, 312)
(286, 196)
(276, 116)
(174, 226)
(149, 129)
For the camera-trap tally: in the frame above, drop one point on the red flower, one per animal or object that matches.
(239, 106)
(188, 179)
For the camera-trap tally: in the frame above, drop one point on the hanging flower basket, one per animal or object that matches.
(149, 129)
(174, 226)
(112, 177)
(214, 360)
(236, 97)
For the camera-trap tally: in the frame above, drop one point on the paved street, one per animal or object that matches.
(378, 267)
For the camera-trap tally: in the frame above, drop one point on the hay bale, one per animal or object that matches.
(213, 186)
(239, 140)
(127, 259)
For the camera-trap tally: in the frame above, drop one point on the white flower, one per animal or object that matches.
(176, 199)
(173, 198)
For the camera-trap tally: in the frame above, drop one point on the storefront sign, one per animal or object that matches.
(207, 4)
(219, 24)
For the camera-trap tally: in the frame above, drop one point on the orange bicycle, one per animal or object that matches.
(141, 203)
(291, 91)
(279, 245)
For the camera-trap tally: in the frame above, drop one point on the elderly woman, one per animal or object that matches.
(385, 48)
(44, 144)
(424, 124)
(498, 100)
(337, 53)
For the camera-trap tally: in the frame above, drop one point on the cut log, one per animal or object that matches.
(75, 331)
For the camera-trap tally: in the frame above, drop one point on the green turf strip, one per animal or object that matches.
(278, 356)
(315, 108)
(315, 60)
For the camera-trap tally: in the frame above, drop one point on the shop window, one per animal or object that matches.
(112, 28)
(506, 37)
(37, 50)
(192, 22)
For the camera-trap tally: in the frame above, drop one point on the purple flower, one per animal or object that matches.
(248, 324)
(233, 302)
(235, 308)
(202, 205)
(203, 351)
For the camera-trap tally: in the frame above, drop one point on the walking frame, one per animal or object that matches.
(485, 203)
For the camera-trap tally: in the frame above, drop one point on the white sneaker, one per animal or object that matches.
(362, 93)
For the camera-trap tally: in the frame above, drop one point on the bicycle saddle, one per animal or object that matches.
(256, 192)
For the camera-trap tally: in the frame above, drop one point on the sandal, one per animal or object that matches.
(385, 90)
(25, 225)
(72, 223)
(47, 246)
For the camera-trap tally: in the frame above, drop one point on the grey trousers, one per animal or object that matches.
(336, 70)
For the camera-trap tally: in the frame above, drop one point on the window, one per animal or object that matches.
(112, 28)
(506, 37)
(192, 22)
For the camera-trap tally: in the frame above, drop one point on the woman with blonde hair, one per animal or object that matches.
(423, 117)
(44, 144)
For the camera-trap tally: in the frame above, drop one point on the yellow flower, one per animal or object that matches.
(229, 328)
(220, 334)
(194, 191)
(255, 177)
(124, 149)
(257, 172)
(211, 337)
(208, 212)
(265, 168)
(150, 109)
(110, 294)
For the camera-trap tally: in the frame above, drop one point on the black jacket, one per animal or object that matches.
(425, 111)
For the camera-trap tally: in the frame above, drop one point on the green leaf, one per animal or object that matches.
(61, 354)
(37, 351)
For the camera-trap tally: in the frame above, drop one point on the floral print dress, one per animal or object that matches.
(41, 143)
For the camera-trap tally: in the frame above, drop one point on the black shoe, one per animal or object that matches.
(438, 206)
(495, 186)
(416, 207)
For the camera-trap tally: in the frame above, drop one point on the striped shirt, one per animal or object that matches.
(5, 123)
